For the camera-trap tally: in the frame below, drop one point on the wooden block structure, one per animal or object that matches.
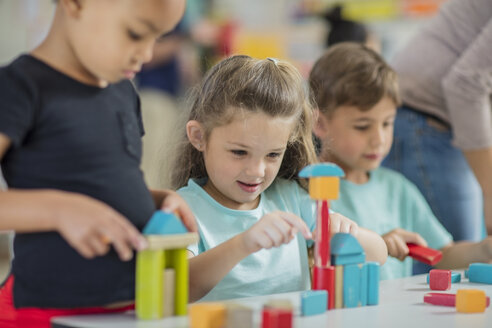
(356, 281)
(439, 279)
(238, 316)
(480, 273)
(470, 301)
(165, 259)
(314, 302)
(324, 183)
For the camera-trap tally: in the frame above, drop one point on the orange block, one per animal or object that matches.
(207, 315)
(324, 188)
(470, 301)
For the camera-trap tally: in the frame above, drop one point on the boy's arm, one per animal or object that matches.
(459, 255)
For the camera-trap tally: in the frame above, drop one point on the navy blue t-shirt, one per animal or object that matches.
(74, 137)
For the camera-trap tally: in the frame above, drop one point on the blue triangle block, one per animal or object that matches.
(344, 244)
(162, 223)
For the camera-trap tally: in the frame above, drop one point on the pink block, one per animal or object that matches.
(440, 279)
(443, 299)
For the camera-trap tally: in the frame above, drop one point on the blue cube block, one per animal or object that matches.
(351, 285)
(314, 302)
(480, 273)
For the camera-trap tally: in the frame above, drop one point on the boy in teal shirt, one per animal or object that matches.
(356, 94)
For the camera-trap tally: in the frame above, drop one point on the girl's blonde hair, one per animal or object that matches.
(242, 83)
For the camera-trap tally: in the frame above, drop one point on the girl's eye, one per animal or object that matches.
(361, 127)
(274, 155)
(239, 152)
(134, 36)
(387, 124)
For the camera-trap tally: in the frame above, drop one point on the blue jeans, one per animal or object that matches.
(424, 154)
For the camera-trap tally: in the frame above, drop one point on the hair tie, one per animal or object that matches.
(273, 60)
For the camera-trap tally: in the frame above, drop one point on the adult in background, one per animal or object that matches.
(443, 132)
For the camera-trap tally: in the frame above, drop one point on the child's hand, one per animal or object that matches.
(273, 230)
(339, 223)
(90, 226)
(173, 202)
(396, 240)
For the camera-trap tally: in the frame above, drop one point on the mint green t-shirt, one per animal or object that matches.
(386, 202)
(268, 271)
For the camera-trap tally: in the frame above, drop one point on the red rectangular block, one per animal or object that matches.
(424, 254)
(440, 279)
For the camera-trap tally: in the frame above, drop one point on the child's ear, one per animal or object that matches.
(320, 127)
(196, 133)
(72, 7)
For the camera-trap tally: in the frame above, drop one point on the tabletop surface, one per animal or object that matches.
(400, 305)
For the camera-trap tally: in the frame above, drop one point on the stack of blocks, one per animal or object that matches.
(465, 300)
(162, 268)
(349, 281)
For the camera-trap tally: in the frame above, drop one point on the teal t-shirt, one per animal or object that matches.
(386, 202)
(268, 271)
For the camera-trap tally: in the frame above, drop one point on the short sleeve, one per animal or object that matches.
(424, 221)
(17, 105)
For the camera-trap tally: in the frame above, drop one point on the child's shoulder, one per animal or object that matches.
(394, 179)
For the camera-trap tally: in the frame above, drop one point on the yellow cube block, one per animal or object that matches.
(207, 315)
(470, 301)
(324, 188)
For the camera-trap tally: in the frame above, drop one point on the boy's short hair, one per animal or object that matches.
(351, 74)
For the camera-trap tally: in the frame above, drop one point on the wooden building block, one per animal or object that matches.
(455, 277)
(238, 316)
(345, 249)
(470, 301)
(338, 286)
(439, 279)
(424, 254)
(480, 273)
(445, 299)
(276, 318)
(207, 315)
(324, 188)
(149, 279)
(284, 304)
(314, 302)
(372, 283)
(162, 223)
(168, 292)
(324, 279)
(364, 284)
(351, 285)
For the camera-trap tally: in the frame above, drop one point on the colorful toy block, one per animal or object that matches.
(424, 254)
(351, 285)
(345, 249)
(238, 316)
(324, 182)
(444, 299)
(279, 304)
(324, 279)
(166, 251)
(480, 273)
(470, 301)
(314, 302)
(276, 318)
(207, 315)
(338, 286)
(455, 277)
(364, 285)
(162, 223)
(439, 279)
(373, 283)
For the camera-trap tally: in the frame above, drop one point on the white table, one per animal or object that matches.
(400, 306)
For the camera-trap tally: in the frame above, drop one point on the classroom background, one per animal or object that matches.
(211, 29)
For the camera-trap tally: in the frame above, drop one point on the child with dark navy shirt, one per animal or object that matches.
(70, 149)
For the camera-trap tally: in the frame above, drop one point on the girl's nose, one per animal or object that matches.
(256, 168)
